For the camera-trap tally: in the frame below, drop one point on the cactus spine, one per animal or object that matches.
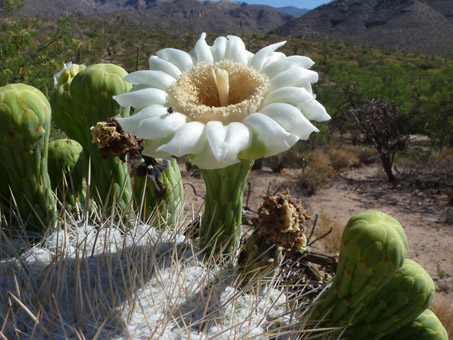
(25, 116)
(399, 302)
(81, 102)
(158, 182)
(373, 248)
(425, 327)
(66, 160)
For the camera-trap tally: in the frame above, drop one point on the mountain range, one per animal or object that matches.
(420, 25)
(225, 16)
(415, 25)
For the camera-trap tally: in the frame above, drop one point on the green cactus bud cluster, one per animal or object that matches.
(426, 326)
(66, 161)
(373, 248)
(400, 301)
(25, 116)
(158, 184)
(83, 98)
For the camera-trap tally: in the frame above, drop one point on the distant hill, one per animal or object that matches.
(294, 11)
(225, 16)
(420, 25)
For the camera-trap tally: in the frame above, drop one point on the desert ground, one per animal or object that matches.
(418, 203)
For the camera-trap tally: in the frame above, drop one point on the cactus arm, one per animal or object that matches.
(398, 303)
(24, 135)
(425, 327)
(373, 249)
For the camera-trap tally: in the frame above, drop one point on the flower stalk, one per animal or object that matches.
(221, 222)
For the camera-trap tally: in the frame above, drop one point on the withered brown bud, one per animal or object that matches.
(280, 220)
(113, 142)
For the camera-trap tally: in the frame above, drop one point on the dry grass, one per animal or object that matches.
(326, 224)
(99, 280)
(443, 308)
(317, 172)
(343, 157)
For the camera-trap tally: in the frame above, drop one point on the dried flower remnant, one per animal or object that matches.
(280, 220)
(113, 141)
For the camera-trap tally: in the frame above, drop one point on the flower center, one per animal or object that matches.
(225, 91)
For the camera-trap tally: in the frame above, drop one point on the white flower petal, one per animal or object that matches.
(188, 139)
(235, 50)
(300, 61)
(205, 159)
(278, 65)
(158, 79)
(142, 98)
(152, 145)
(224, 145)
(268, 138)
(216, 132)
(202, 52)
(160, 126)
(180, 59)
(260, 58)
(315, 111)
(294, 76)
(237, 138)
(291, 119)
(290, 94)
(155, 63)
(218, 48)
(129, 124)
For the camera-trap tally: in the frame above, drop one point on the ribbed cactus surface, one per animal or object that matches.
(373, 248)
(398, 303)
(80, 103)
(158, 184)
(425, 327)
(66, 161)
(25, 116)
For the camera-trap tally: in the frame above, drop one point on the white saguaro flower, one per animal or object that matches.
(224, 107)
(221, 104)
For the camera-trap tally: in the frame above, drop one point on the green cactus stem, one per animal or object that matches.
(398, 303)
(221, 223)
(373, 248)
(425, 327)
(25, 116)
(66, 161)
(158, 189)
(79, 106)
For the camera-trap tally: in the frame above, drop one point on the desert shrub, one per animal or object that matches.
(282, 160)
(368, 155)
(343, 157)
(385, 129)
(316, 173)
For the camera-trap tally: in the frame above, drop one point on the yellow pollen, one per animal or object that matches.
(226, 92)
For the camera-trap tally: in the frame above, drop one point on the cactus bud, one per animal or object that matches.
(158, 184)
(66, 160)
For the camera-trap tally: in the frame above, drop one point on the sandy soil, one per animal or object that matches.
(419, 204)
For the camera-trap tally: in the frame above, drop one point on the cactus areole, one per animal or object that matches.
(25, 116)
(224, 107)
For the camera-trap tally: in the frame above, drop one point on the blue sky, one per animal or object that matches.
(309, 4)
